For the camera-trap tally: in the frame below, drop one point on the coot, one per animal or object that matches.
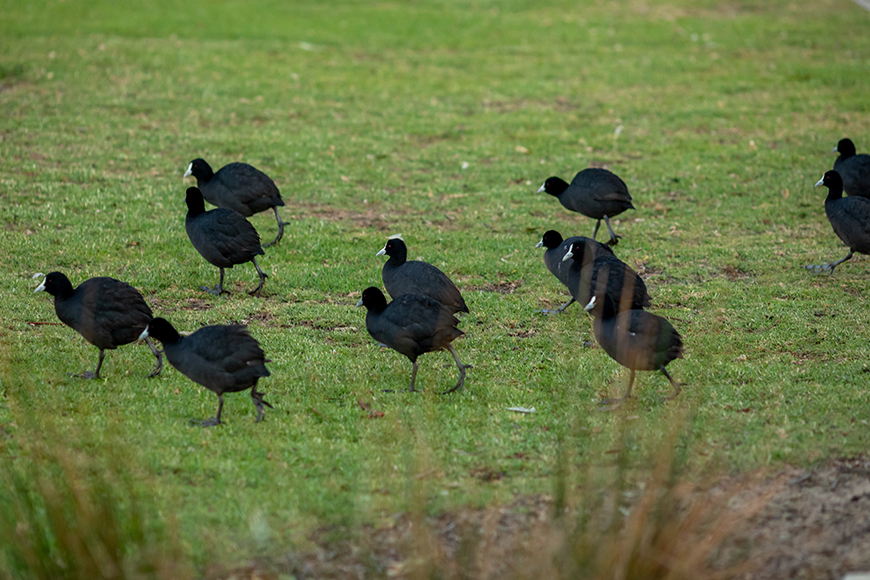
(606, 274)
(238, 186)
(594, 192)
(223, 359)
(412, 277)
(554, 258)
(636, 339)
(850, 218)
(412, 325)
(108, 313)
(223, 237)
(854, 169)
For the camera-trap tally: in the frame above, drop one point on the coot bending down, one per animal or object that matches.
(413, 325)
(240, 187)
(606, 274)
(558, 266)
(636, 339)
(223, 359)
(412, 277)
(854, 169)
(108, 313)
(223, 237)
(850, 218)
(594, 192)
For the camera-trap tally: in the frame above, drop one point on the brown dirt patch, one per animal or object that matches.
(508, 287)
(812, 524)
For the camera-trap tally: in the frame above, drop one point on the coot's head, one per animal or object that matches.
(373, 299)
(552, 239)
(832, 180)
(845, 148)
(199, 169)
(554, 186)
(395, 247)
(195, 203)
(55, 284)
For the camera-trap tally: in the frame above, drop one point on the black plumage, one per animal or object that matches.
(223, 237)
(605, 274)
(413, 325)
(240, 187)
(850, 218)
(636, 339)
(854, 168)
(223, 359)
(594, 192)
(402, 276)
(557, 248)
(108, 313)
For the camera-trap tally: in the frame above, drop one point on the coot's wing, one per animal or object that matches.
(250, 185)
(113, 312)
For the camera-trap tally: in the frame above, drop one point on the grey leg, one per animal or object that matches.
(216, 420)
(158, 354)
(462, 367)
(259, 402)
(614, 239)
(280, 229)
(263, 276)
(217, 290)
(96, 373)
(559, 310)
(829, 268)
(413, 377)
(595, 231)
(614, 403)
(674, 384)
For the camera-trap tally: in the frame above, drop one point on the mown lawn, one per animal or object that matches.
(436, 120)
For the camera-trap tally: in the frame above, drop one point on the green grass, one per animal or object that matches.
(364, 114)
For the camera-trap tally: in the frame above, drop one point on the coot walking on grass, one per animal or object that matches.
(850, 218)
(240, 187)
(223, 237)
(606, 274)
(636, 339)
(594, 192)
(412, 325)
(108, 313)
(554, 258)
(412, 277)
(223, 359)
(854, 169)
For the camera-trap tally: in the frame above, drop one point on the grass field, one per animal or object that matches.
(436, 120)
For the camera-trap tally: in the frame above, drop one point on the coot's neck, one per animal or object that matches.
(204, 173)
(835, 192)
(195, 203)
(63, 291)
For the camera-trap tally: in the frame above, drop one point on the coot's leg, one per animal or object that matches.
(259, 402)
(674, 384)
(413, 377)
(217, 290)
(614, 239)
(96, 373)
(280, 229)
(263, 276)
(559, 310)
(216, 420)
(614, 403)
(595, 231)
(158, 354)
(462, 367)
(828, 268)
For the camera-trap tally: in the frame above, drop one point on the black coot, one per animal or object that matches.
(636, 339)
(850, 218)
(240, 187)
(606, 274)
(412, 277)
(854, 169)
(595, 193)
(554, 258)
(412, 325)
(106, 312)
(223, 359)
(223, 237)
